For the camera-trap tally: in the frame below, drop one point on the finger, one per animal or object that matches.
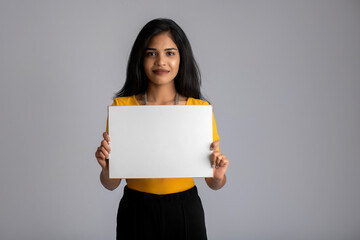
(212, 160)
(218, 160)
(99, 155)
(214, 157)
(105, 152)
(216, 153)
(106, 137)
(214, 145)
(102, 160)
(224, 162)
(102, 156)
(106, 145)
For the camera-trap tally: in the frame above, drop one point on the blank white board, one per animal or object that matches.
(160, 141)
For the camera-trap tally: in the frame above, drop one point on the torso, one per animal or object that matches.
(162, 185)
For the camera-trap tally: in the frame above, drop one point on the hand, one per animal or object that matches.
(219, 162)
(102, 152)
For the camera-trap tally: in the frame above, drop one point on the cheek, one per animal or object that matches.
(146, 65)
(175, 63)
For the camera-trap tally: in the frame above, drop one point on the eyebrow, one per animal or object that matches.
(166, 49)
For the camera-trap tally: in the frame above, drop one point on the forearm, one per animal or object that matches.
(108, 183)
(215, 183)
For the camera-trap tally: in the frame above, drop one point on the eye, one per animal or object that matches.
(150, 54)
(170, 53)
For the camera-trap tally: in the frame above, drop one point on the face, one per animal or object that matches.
(161, 60)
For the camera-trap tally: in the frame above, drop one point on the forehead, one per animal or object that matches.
(162, 40)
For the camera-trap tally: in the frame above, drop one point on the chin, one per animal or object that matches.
(161, 82)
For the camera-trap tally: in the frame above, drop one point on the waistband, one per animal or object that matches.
(192, 192)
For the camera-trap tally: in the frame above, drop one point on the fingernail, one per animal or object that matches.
(212, 166)
(211, 148)
(109, 142)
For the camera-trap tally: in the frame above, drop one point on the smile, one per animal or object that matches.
(160, 71)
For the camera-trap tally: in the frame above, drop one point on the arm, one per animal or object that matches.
(219, 162)
(102, 156)
(110, 184)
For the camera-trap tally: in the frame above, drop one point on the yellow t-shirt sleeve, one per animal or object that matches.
(215, 133)
(107, 119)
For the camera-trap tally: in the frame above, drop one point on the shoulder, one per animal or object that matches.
(194, 101)
(124, 101)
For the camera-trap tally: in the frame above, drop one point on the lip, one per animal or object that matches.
(160, 71)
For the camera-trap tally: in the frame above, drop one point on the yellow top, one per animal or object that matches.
(161, 185)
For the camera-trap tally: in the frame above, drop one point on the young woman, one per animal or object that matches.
(161, 71)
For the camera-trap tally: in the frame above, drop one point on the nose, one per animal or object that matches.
(160, 60)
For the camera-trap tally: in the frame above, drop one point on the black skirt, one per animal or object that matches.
(151, 216)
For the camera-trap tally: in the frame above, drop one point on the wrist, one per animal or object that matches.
(219, 178)
(105, 168)
(104, 173)
(218, 183)
(216, 180)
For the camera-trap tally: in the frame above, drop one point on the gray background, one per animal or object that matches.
(284, 78)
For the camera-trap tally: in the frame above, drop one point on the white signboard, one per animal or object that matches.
(160, 141)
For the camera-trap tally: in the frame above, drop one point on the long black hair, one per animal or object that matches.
(188, 79)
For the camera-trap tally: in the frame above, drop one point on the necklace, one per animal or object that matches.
(175, 102)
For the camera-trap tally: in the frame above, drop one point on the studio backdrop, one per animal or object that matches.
(284, 80)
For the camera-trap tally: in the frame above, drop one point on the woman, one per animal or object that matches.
(161, 71)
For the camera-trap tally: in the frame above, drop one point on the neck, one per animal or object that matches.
(161, 95)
